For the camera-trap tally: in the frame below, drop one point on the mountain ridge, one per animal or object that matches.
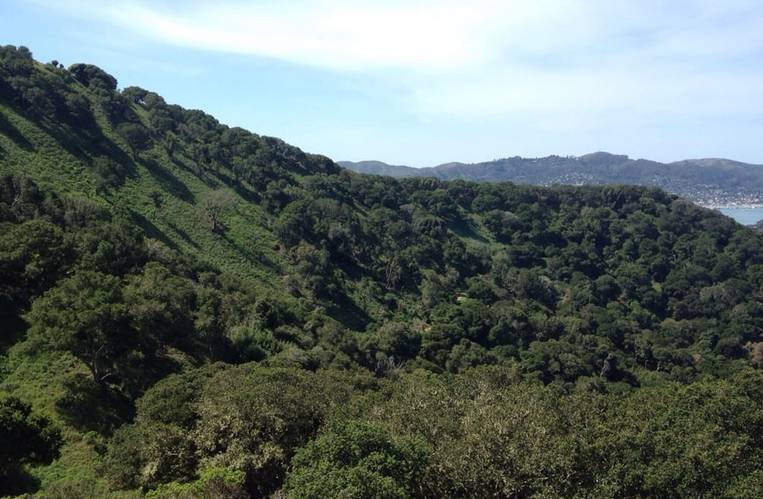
(710, 182)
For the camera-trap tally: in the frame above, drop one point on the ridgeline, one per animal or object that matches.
(708, 182)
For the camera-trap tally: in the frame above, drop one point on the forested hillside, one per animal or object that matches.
(709, 181)
(193, 310)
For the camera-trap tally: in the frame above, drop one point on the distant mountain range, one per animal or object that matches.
(708, 182)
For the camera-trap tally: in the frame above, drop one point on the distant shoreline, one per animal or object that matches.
(747, 214)
(733, 206)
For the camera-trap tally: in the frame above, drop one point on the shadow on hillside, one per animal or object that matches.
(183, 235)
(353, 270)
(247, 193)
(18, 483)
(66, 141)
(152, 230)
(14, 329)
(345, 311)
(90, 406)
(84, 140)
(250, 255)
(89, 142)
(198, 171)
(465, 229)
(238, 186)
(10, 131)
(168, 181)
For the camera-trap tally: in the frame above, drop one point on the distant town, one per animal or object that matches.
(709, 196)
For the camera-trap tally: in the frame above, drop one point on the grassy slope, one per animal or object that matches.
(247, 247)
(39, 379)
(246, 250)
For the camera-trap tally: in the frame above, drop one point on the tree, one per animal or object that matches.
(114, 247)
(90, 75)
(27, 439)
(160, 304)
(357, 460)
(700, 440)
(254, 419)
(291, 224)
(78, 110)
(213, 483)
(213, 207)
(136, 136)
(108, 172)
(313, 269)
(86, 316)
(157, 199)
(159, 447)
(32, 256)
(135, 94)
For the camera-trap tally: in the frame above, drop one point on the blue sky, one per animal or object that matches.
(422, 82)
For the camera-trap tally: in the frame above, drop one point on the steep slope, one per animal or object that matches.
(369, 250)
(145, 248)
(710, 182)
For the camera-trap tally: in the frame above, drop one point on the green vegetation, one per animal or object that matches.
(27, 439)
(199, 311)
(357, 460)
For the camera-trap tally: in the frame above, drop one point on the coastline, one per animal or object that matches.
(732, 206)
(744, 214)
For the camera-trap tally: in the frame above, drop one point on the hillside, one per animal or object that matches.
(708, 182)
(193, 310)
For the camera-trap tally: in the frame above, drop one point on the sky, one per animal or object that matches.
(423, 82)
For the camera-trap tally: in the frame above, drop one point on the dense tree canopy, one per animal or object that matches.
(208, 312)
(357, 460)
(27, 439)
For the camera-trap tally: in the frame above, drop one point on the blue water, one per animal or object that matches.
(745, 216)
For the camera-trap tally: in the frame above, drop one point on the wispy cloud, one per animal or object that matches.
(359, 35)
(488, 56)
(436, 34)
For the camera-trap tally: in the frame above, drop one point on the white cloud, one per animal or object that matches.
(487, 56)
(362, 35)
(414, 34)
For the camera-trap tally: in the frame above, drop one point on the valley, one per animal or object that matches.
(190, 309)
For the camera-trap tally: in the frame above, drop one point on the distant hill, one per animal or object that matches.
(380, 168)
(709, 181)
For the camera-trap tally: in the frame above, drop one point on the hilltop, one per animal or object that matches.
(709, 182)
(194, 310)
